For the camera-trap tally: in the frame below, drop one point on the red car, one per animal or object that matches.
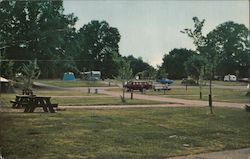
(138, 85)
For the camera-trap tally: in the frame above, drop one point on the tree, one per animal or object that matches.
(230, 46)
(197, 68)
(196, 34)
(34, 30)
(30, 72)
(125, 73)
(161, 73)
(148, 74)
(137, 65)
(174, 62)
(98, 42)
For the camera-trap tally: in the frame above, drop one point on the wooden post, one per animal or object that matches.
(132, 91)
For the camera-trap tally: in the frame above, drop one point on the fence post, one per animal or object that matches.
(132, 93)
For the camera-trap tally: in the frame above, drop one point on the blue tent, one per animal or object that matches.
(69, 76)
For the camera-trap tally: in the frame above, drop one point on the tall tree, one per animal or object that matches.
(173, 62)
(34, 29)
(137, 64)
(98, 41)
(229, 42)
(200, 42)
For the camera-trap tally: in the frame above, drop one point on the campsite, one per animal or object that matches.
(124, 79)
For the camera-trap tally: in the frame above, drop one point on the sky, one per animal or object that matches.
(150, 29)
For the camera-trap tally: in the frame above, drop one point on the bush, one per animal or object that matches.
(189, 82)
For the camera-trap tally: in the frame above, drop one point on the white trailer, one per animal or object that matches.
(230, 78)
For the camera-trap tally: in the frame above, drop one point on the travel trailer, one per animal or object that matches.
(91, 75)
(230, 78)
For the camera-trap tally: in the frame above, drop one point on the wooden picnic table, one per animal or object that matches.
(31, 102)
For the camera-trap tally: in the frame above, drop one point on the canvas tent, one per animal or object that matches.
(69, 76)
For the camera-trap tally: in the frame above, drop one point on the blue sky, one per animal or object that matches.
(150, 29)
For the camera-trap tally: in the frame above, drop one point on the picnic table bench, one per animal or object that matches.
(31, 102)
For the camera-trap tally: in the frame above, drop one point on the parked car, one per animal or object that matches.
(157, 86)
(165, 81)
(138, 85)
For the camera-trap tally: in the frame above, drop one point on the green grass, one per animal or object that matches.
(219, 94)
(222, 95)
(127, 133)
(101, 101)
(5, 98)
(69, 98)
(229, 83)
(64, 93)
(222, 83)
(76, 83)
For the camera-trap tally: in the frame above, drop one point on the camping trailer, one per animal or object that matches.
(230, 78)
(91, 75)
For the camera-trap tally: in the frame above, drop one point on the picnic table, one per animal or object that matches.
(31, 102)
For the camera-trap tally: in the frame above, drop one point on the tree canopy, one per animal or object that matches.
(35, 30)
(173, 62)
(41, 30)
(229, 42)
(226, 50)
(98, 47)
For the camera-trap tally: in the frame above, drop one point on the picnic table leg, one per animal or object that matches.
(27, 108)
(49, 105)
(45, 109)
(14, 105)
(33, 104)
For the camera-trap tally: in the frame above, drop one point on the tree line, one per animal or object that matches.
(39, 30)
(224, 50)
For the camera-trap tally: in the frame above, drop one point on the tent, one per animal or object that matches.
(69, 76)
(3, 80)
(4, 84)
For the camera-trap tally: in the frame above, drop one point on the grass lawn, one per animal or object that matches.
(101, 101)
(127, 133)
(222, 83)
(66, 97)
(76, 83)
(219, 94)
(5, 98)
